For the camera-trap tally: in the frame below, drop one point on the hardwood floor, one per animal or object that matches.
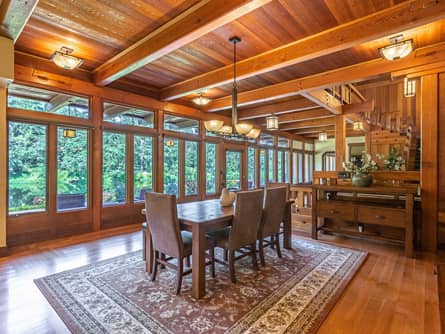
(389, 294)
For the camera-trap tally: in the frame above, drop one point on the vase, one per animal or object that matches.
(362, 180)
(227, 197)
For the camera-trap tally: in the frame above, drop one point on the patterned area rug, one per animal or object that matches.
(290, 295)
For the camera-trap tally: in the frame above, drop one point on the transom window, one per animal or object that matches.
(119, 114)
(181, 124)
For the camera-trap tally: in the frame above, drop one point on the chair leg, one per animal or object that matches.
(187, 261)
(212, 259)
(277, 239)
(261, 249)
(254, 260)
(162, 256)
(226, 255)
(155, 265)
(179, 275)
(144, 245)
(232, 266)
(272, 242)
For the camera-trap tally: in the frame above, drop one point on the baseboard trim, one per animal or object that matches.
(3, 251)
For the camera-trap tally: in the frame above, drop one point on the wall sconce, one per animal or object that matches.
(69, 133)
(170, 143)
(409, 87)
(358, 126)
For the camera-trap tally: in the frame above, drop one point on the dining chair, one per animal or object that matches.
(242, 235)
(169, 242)
(275, 201)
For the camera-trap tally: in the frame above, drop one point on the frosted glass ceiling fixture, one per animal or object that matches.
(64, 59)
(237, 129)
(397, 49)
(201, 100)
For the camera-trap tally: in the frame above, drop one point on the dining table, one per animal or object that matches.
(201, 217)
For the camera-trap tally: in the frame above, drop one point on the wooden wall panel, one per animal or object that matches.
(429, 171)
(441, 160)
(340, 141)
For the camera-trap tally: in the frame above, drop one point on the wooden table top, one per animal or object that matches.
(203, 212)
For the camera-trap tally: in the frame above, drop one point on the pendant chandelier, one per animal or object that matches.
(237, 129)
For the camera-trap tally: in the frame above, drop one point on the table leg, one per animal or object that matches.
(314, 215)
(198, 261)
(149, 256)
(287, 227)
(409, 228)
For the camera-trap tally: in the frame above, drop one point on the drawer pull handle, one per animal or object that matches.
(333, 211)
(380, 217)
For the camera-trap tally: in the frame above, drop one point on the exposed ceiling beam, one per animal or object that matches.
(277, 108)
(313, 123)
(313, 130)
(14, 14)
(416, 69)
(200, 19)
(304, 115)
(430, 54)
(363, 107)
(324, 100)
(406, 15)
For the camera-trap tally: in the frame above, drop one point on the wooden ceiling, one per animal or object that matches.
(109, 34)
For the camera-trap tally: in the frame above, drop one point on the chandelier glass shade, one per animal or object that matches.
(201, 100)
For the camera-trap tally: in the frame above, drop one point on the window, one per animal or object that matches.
(286, 167)
(142, 166)
(118, 114)
(266, 139)
(251, 168)
(294, 168)
(27, 167)
(280, 166)
(36, 99)
(297, 145)
(262, 168)
(283, 142)
(210, 168)
(328, 161)
(171, 166)
(271, 166)
(233, 170)
(300, 167)
(180, 124)
(114, 168)
(308, 165)
(308, 147)
(191, 168)
(72, 170)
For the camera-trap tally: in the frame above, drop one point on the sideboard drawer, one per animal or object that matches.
(337, 210)
(381, 216)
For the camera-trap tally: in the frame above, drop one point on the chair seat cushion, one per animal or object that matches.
(220, 237)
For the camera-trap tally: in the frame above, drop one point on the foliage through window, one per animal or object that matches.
(271, 166)
(233, 170)
(114, 168)
(27, 167)
(36, 99)
(118, 114)
(143, 166)
(72, 170)
(191, 168)
(262, 168)
(251, 167)
(171, 166)
(210, 168)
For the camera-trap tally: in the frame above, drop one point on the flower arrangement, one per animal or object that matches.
(361, 166)
(394, 161)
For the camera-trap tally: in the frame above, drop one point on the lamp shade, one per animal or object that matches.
(254, 133)
(226, 129)
(201, 100)
(213, 125)
(397, 50)
(322, 136)
(243, 128)
(272, 122)
(65, 60)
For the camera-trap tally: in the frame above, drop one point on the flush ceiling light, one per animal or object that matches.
(272, 122)
(201, 100)
(409, 87)
(397, 49)
(322, 136)
(64, 59)
(239, 130)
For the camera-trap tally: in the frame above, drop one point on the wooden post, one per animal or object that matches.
(96, 110)
(429, 170)
(340, 141)
(3, 168)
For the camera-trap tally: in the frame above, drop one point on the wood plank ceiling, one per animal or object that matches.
(98, 30)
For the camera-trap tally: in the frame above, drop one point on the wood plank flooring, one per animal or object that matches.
(390, 293)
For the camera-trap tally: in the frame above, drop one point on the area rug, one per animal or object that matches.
(290, 295)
